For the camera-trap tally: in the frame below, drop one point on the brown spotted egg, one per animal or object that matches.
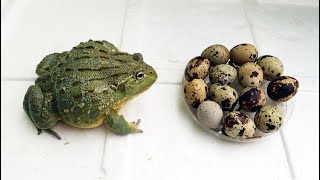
(250, 75)
(268, 119)
(195, 92)
(271, 66)
(217, 54)
(223, 74)
(282, 88)
(243, 53)
(197, 68)
(238, 125)
(224, 95)
(252, 99)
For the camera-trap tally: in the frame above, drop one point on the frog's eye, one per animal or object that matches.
(139, 75)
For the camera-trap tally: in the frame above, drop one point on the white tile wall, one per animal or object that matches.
(168, 34)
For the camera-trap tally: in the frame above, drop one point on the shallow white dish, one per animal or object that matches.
(286, 107)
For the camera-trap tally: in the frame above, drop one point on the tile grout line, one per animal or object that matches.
(124, 23)
(291, 170)
(284, 144)
(249, 23)
(102, 164)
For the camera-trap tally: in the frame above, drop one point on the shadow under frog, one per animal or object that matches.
(86, 86)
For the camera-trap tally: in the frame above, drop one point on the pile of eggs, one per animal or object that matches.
(215, 101)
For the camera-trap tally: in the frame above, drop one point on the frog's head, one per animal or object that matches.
(140, 76)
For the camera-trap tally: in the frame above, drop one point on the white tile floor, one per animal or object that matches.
(168, 34)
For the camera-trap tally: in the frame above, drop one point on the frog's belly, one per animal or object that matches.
(93, 124)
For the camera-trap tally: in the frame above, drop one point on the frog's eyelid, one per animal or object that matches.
(137, 57)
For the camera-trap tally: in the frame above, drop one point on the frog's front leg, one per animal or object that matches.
(119, 125)
(40, 108)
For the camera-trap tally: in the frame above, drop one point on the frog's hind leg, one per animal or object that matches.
(40, 108)
(119, 125)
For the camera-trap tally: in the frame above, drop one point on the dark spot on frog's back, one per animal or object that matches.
(223, 88)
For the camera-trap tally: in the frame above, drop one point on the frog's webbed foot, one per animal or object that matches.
(119, 125)
(39, 108)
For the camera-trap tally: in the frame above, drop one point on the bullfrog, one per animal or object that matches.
(86, 86)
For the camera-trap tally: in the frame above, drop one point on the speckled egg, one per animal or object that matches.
(195, 92)
(252, 99)
(250, 75)
(238, 125)
(223, 74)
(282, 88)
(210, 114)
(271, 66)
(197, 68)
(224, 95)
(269, 119)
(243, 53)
(217, 54)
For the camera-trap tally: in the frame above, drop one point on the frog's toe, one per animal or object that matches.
(50, 131)
(136, 126)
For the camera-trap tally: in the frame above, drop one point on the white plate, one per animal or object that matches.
(286, 107)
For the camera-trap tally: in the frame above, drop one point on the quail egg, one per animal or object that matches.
(195, 92)
(252, 99)
(271, 66)
(243, 53)
(224, 95)
(210, 114)
(238, 125)
(223, 73)
(268, 119)
(217, 54)
(250, 74)
(197, 68)
(282, 88)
